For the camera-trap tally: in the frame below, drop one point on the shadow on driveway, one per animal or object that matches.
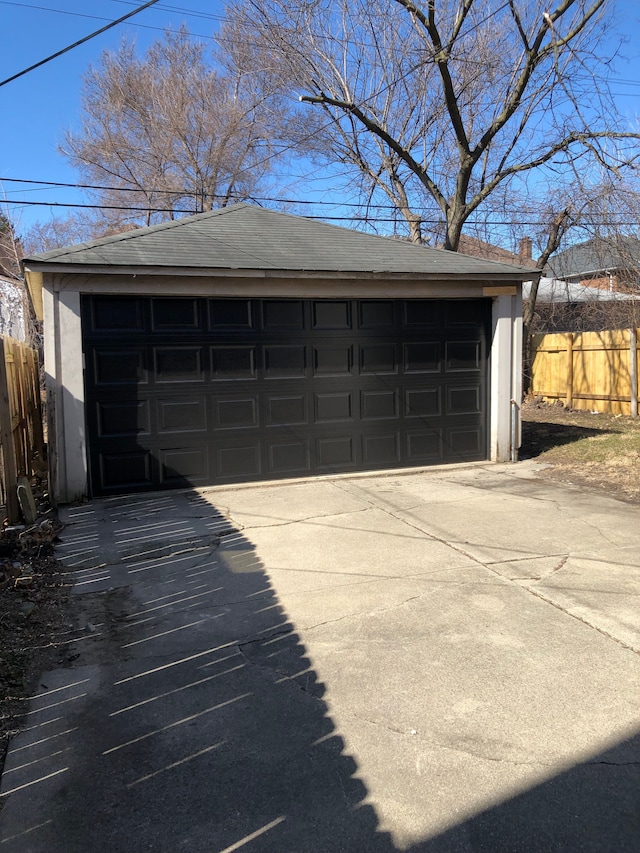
(191, 718)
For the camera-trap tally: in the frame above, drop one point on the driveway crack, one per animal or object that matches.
(488, 566)
(287, 522)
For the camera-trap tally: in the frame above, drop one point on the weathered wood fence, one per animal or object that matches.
(21, 432)
(597, 371)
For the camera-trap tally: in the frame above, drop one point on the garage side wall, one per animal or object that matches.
(65, 395)
(505, 377)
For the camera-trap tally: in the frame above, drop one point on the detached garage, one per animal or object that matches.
(244, 344)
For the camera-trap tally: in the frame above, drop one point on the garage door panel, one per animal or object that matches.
(335, 453)
(233, 363)
(123, 418)
(237, 460)
(206, 391)
(422, 357)
(422, 312)
(282, 411)
(336, 360)
(462, 356)
(424, 446)
(178, 364)
(377, 359)
(331, 315)
(284, 362)
(467, 312)
(236, 412)
(283, 314)
(332, 407)
(381, 449)
(119, 471)
(377, 315)
(115, 315)
(181, 466)
(178, 315)
(288, 456)
(119, 367)
(464, 443)
(379, 404)
(463, 400)
(182, 415)
(423, 402)
(230, 314)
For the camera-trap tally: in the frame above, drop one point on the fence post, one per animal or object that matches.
(633, 371)
(36, 414)
(6, 439)
(569, 402)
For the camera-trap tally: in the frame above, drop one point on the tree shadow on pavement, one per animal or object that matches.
(190, 716)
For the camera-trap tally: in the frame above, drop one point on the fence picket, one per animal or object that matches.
(21, 429)
(587, 370)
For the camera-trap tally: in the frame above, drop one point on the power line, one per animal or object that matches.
(182, 193)
(355, 218)
(207, 16)
(187, 211)
(326, 125)
(100, 18)
(79, 42)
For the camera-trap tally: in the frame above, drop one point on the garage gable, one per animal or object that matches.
(244, 237)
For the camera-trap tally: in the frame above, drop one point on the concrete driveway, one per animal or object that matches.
(438, 661)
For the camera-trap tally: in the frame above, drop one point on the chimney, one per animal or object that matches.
(524, 253)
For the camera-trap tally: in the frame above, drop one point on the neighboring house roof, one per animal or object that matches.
(601, 255)
(476, 248)
(556, 290)
(245, 237)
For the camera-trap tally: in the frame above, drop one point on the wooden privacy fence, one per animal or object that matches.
(21, 433)
(597, 371)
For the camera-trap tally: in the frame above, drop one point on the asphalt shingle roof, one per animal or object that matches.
(245, 237)
(594, 256)
(557, 290)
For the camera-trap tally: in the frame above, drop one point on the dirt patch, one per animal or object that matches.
(34, 620)
(589, 449)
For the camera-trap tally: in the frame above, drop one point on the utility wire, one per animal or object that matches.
(108, 26)
(101, 18)
(184, 193)
(371, 219)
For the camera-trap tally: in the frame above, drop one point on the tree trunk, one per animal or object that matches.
(454, 231)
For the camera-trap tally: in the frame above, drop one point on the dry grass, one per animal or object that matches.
(593, 450)
(34, 599)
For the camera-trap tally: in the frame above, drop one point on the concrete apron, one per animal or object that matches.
(442, 661)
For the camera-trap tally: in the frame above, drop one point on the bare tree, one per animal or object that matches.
(442, 105)
(10, 246)
(17, 318)
(168, 131)
(60, 231)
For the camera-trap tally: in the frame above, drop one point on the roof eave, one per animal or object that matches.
(39, 267)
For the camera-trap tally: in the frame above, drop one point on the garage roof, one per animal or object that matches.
(245, 237)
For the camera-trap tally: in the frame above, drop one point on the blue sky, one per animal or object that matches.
(37, 108)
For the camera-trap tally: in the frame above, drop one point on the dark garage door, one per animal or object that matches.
(192, 391)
